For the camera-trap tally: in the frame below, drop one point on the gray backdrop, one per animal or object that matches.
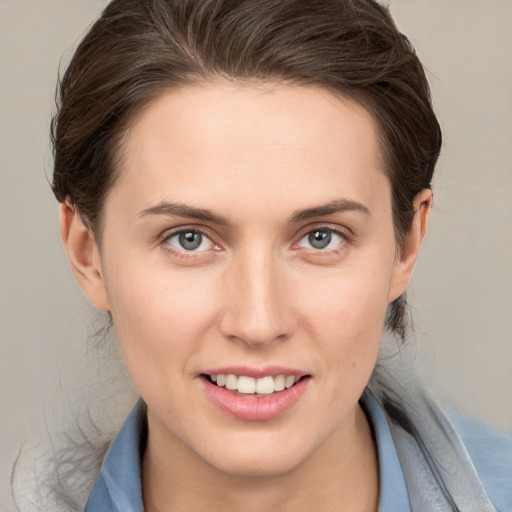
(462, 287)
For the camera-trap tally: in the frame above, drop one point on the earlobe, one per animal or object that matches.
(84, 256)
(406, 258)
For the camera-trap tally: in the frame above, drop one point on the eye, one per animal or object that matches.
(321, 239)
(189, 240)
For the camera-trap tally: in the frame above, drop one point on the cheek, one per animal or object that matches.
(161, 319)
(346, 318)
(350, 302)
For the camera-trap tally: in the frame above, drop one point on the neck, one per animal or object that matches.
(341, 475)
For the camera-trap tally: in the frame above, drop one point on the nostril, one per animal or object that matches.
(259, 313)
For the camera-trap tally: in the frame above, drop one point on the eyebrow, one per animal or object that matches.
(337, 206)
(182, 210)
(185, 211)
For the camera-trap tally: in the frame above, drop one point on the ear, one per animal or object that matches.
(84, 256)
(406, 258)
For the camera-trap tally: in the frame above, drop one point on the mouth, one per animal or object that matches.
(255, 394)
(246, 385)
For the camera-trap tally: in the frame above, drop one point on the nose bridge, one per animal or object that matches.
(258, 308)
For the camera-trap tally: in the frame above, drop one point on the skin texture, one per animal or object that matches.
(255, 293)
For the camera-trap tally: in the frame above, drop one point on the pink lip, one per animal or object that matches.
(255, 408)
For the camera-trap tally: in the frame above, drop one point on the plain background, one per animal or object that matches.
(462, 287)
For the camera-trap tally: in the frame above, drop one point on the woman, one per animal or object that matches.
(245, 187)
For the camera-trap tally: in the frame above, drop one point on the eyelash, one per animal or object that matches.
(183, 253)
(345, 239)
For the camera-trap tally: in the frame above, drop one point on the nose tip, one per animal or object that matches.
(257, 311)
(257, 327)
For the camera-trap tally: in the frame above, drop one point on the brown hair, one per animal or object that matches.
(140, 48)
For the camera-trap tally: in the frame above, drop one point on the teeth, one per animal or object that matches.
(279, 382)
(246, 384)
(231, 382)
(289, 381)
(249, 385)
(265, 385)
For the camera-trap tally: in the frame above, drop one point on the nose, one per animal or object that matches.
(257, 307)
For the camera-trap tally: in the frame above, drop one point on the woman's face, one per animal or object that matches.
(250, 234)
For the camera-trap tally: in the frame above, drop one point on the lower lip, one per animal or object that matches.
(255, 408)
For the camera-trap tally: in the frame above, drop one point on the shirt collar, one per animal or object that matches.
(119, 485)
(120, 476)
(393, 491)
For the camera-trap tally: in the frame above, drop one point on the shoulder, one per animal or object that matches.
(490, 451)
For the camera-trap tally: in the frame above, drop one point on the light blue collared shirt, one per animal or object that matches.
(118, 488)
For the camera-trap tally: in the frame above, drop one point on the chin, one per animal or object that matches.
(258, 459)
(262, 466)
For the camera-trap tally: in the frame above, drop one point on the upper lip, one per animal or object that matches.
(256, 373)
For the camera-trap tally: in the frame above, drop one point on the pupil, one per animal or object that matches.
(190, 240)
(320, 239)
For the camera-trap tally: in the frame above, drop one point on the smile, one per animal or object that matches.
(246, 385)
(261, 396)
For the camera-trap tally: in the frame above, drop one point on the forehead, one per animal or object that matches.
(229, 140)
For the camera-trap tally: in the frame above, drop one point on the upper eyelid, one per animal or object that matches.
(346, 239)
(183, 254)
(330, 230)
(167, 233)
(342, 231)
(171, 232)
